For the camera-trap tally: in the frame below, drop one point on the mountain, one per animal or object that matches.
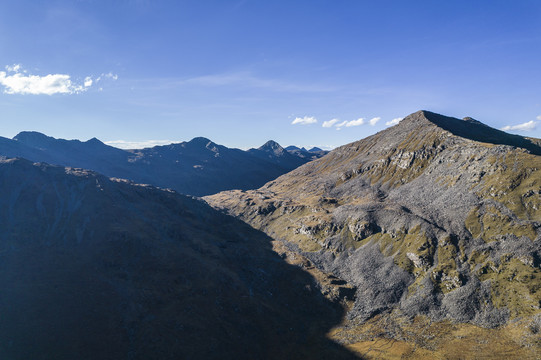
(200, 166)
(435, 221)
(272, 151)
(197, 167)
(91, 154)
(94, 268)
(307, 155)
(11, 148)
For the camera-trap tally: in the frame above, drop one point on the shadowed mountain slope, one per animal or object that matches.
(197, 167)
(435, 218)
(97, 269)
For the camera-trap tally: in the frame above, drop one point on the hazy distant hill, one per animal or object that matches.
(312, 154)
(197, 167)
(434, 219)
(92, 268)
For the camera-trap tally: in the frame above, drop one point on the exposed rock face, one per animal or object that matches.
(435, 216)
(197, 167)
(93, 268)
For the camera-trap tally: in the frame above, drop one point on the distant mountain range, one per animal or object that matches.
(197, 167)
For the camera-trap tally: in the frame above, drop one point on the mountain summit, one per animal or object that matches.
(435, 219)
(469, 128)
(32, 138)
(41, 141)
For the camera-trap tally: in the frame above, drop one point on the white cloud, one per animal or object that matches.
(394, 121)
(329, 123)
(339, 126)
(109, 75)
(307, 120)
(15, 81)
(357, 122)
(527, 126)
(539, 117)
(13, 68)
(350, 123)
(124, 144)
(33, 84)
(374, 121)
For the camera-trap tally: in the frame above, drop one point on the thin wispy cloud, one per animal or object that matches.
(329, 123)
(394, 121)
(247, 79)
(13, 68)
(307, 120)
(539, 117)
(16, 80)
(374, 121)
(109, 75)
(527, 126)
(124, 144)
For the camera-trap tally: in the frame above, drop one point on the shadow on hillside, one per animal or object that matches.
(154, 276)
(477, 131)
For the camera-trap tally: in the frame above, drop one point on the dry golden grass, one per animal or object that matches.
(392, 337)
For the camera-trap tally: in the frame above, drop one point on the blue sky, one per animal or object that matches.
(241, 72)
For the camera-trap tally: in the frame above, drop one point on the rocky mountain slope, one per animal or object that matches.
(197, 167)
(435, 221)
(94, 268)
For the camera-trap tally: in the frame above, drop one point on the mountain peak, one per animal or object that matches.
(94, 141)
(271, 145)
(25, 136)
(33, 139)
(468, 128)
(200, 141)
